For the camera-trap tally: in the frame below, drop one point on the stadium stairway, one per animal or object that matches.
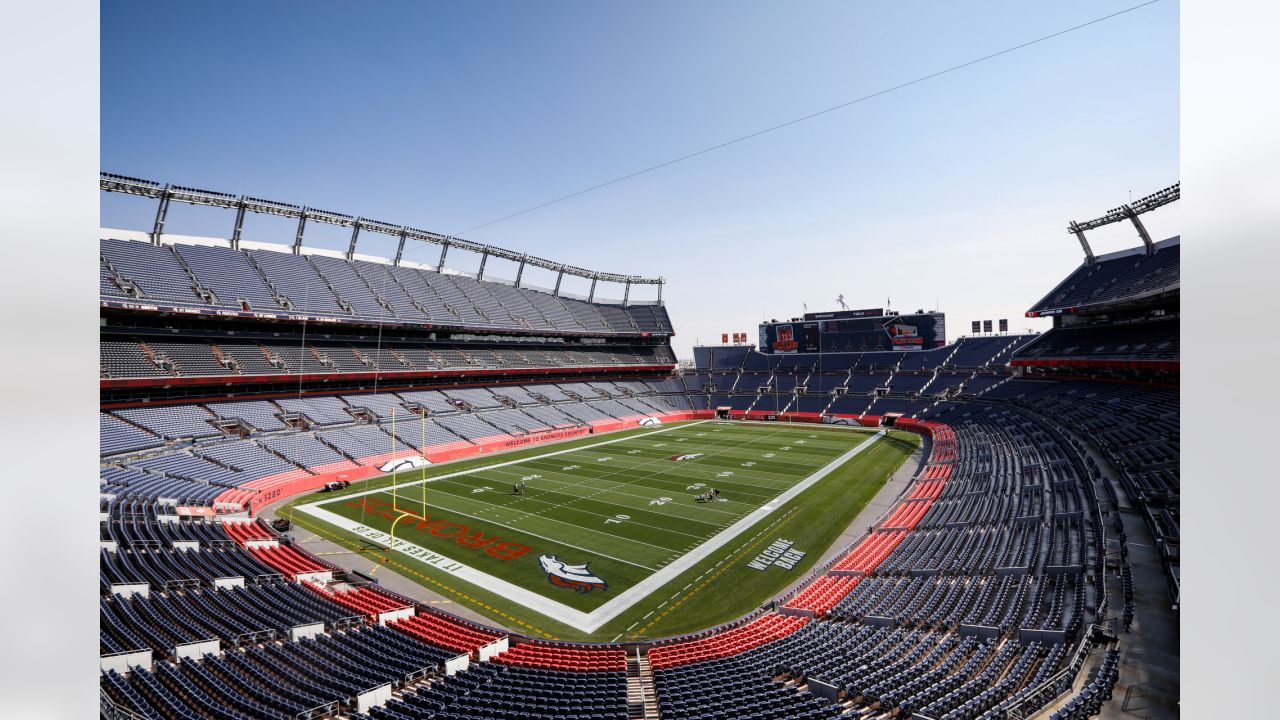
(642, 699)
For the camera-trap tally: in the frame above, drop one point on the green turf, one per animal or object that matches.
(628, 508)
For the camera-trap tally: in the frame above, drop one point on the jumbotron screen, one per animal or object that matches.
(854, 331)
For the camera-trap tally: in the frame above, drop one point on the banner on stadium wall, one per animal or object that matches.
(1004, 324)
(986, 326)
(724, 338)
(977, 326)
(866, 312)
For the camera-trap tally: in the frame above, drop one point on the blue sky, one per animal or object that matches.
(954, 192)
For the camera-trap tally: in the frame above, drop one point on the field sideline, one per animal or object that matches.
(608, 526)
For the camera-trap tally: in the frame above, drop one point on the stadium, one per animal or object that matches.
(339, 485)
(614, 361)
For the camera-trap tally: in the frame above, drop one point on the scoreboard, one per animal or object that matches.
(854, 331)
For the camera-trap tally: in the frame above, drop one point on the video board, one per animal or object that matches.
(853, 333)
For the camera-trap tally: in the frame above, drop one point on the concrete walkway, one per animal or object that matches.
(1149, 683)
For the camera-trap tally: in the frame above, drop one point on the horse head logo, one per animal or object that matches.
(575, 577)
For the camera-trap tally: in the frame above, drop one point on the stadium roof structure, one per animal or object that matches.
(243, 204)
(1128, 212)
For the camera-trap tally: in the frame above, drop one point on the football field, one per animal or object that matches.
(582, 532)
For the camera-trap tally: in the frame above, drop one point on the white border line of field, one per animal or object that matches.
(586, 622)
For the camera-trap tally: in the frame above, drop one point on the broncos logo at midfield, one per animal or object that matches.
(575, 577)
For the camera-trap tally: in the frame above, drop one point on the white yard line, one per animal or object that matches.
(410, 483)
(596, 491)
(544, 490)
(586, 622)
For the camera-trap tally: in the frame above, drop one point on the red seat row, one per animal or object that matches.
(242, 531)
(907, 514)
(944, 438)
(233, 496)
(944, 441)
(443, 632)
(365, 601)
(936, 472)
(287, 560)
(559, 657)
(931, 489)
(823, 593)
(762, 630)
(871, 551)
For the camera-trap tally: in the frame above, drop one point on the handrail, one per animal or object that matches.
(644, 696)
(1059, 683)
(113, 711)
(329, 708)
